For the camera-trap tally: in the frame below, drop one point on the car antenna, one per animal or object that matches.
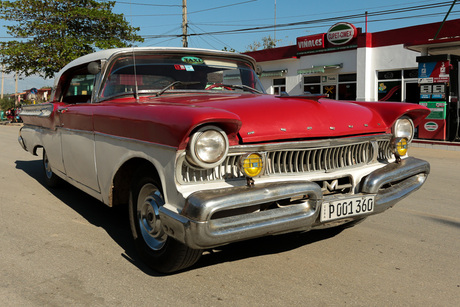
(136, 89)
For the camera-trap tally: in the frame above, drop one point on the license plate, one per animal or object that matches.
(346, 208)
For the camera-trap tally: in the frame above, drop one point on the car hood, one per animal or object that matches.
(270, 118)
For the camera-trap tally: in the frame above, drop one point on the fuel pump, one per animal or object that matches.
(438, 77)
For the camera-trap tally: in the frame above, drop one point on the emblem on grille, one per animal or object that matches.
(336, 186)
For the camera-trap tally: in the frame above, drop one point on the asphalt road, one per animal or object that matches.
(63, 248)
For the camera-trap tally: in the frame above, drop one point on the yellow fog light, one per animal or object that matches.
(400, 146)
(252, 165)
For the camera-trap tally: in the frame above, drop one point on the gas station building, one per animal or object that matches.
(406, 65)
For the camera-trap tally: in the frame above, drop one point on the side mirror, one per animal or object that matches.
(94, 68)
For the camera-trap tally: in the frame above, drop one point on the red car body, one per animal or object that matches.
(202, 162)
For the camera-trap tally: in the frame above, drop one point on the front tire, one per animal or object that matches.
(161, 252)
(51, 179)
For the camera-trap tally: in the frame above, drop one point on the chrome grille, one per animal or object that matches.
(320, 159)
(384, 151)
(294, 161)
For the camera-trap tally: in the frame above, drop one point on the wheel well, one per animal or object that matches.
(36, 148)
(123, 179)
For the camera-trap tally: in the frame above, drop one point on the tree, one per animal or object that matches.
(7, 103)
(267, 43)
(51, 33)
(228, 50)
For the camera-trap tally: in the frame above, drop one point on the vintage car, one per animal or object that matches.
(188, 140)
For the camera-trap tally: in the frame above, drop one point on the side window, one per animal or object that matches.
(80, 88)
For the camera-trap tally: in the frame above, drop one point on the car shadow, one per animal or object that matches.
(116, 223)
(113, 220)
(275, 244)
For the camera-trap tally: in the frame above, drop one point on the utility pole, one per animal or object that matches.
(184, 24)
(3, 81)
(274, 29)
(16, 96)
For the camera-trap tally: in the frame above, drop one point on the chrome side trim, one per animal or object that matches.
(40, 110)
(310, 144)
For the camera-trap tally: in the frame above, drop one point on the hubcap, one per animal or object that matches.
(148, 204)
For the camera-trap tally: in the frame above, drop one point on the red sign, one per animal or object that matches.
(311, 42)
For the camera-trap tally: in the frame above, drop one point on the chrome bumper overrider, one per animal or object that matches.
(395, 181)
(216, 217)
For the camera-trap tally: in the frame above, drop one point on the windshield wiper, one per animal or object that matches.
(170, 85)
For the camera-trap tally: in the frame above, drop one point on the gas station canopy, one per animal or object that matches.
(448, 45)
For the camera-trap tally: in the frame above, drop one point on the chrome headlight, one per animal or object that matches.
(208, 147)
(404, 128)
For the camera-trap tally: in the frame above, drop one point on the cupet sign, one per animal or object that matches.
(341, 33)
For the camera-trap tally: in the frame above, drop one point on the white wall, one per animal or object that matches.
(365, 62)
(366, 75)
(372, 60)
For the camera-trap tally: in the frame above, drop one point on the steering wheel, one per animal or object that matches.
(219, 85)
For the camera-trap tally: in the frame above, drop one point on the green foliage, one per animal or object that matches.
(51, 33)
(6, 103)
(228, 50)
(267, 43)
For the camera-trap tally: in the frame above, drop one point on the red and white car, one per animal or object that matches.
(188, 139)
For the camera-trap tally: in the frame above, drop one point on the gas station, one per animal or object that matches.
(438, 78)
(417, 64)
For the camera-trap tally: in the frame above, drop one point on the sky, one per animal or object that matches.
(237, 24)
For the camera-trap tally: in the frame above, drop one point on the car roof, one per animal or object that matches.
(104, 55)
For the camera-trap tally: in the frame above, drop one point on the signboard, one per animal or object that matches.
(341, 36)
(311, 42)
(341, 33)
(433, 72)
(431, 126)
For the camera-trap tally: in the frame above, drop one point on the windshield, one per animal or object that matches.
(157, 73)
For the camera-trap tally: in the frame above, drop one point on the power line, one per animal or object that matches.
(220, 7)
(149, 4)
(323, 20)
(194, 12)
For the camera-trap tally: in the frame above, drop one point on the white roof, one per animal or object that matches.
(106, 54)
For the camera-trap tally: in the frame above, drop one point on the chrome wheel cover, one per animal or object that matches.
(149, 202)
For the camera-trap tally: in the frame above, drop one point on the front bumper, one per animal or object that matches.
(217, 217)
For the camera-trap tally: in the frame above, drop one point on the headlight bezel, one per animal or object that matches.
(404, 128)
(196, 152)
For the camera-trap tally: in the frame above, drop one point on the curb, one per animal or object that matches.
(445, 145)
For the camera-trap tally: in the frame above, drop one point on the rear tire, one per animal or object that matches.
(51, 179)
(161, 252)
